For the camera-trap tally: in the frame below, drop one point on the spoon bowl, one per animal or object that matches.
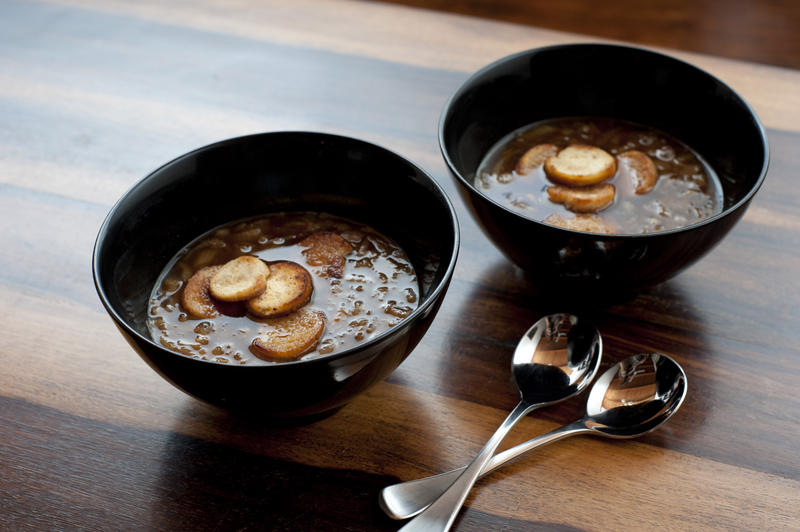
(635, 396)
(556, 359)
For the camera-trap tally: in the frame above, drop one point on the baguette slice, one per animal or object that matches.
(289, 337)
(583, 199)
(641, 168)
(587, 223)
(535, 157)
(196, 299)
(289, 287)
(327, 251)
(579, 165)
(239, 279)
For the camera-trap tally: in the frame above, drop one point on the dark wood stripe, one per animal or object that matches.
(118, 477)
(745, 29)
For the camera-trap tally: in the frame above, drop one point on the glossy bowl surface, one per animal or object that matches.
(605, 81)
(259, 174)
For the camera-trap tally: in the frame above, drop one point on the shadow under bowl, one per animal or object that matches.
(256, 175)
(613, 81)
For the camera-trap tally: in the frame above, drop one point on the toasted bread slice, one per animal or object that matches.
(579, 165)
(196, 299)
(289, 287)
(583, 199)
(535, 157)
(240, 279)
(641, 168)
(588, 223)
(290, 336)
(328, 251)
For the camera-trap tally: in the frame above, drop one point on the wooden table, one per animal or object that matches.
(95, 95)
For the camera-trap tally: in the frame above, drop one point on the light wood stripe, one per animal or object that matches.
(397, 33)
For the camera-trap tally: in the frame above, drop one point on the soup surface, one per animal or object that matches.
(361, 284)
(616, 177)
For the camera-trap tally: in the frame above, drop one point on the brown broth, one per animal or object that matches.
(377, 290)
(686, 192)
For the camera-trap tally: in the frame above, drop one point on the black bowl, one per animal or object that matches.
(605, 81)
(258, 174)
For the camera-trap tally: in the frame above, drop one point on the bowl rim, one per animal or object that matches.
(621, 236)
(421, 310)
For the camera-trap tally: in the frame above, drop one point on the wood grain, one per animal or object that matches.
(753, 30)
(93, 96)
(404, 36)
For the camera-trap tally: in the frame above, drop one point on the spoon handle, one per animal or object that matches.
(407, 499)
(439, 516)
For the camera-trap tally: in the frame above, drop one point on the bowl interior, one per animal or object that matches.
(607, 81)
(265, 173)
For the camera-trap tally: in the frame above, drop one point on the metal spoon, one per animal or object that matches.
(631, 398)
(555, 359)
